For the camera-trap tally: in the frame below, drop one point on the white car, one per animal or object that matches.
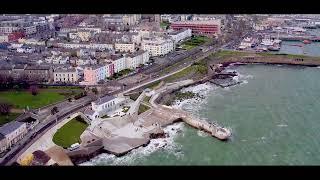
(74, 147)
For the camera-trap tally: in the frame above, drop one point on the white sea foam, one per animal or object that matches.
(236, 78)
(202, 133)
(318, 67)
(245, 82)
(189, 104)
(282, 125)
(166, 144)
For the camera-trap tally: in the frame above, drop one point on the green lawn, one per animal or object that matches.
(7, 118)
(143, 108)
(174, 66)
(164, 24)
(147, 99)
(70, 133)
(153, 85)
(194, 69)
(134, 96)
(22, 99)
(187, 47)
(194, 41)
(226, 53)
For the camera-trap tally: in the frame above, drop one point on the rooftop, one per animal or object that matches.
(19, 66)
(62, 70)
(209, 22)
(10, 127)
(136, 53)
(94, 67)
(35, 67)
(5, 67)
(104, 99)
(89, 111)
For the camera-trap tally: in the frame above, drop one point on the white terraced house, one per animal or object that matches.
(157, 46)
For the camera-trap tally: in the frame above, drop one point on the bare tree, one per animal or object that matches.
(5, 108)
(94, 90)
(34, 90)
(54, 110)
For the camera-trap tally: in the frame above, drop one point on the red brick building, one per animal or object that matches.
(14, 36)
(211, 27)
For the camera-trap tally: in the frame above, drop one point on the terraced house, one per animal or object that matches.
(11, 133)
(68, 75)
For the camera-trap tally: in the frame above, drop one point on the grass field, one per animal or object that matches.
(194, 41)
(143, 108)
(164, 24)
(21, 99)
(134, 96)
(226, 53)
(105, 116)
(194, 70)
(153, 85)
(7, 118)
(70, 133)
(147, 99)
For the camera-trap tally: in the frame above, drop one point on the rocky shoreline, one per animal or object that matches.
(220, 78)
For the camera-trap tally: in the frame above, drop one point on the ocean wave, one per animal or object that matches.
(168, 144)
(202, 133)
(245, 76)
(282, 125)
(245, 82)
(189, 104)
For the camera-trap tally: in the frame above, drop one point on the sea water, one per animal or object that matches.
(274, 118)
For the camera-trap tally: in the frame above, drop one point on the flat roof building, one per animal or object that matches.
(211, 27)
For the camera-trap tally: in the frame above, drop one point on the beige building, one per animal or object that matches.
(11, 133)
(157, 46)
(131, 19)
(4, 38)
(65, 75)
(124, 47)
